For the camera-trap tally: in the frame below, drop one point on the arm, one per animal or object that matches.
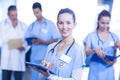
(117, 44)
(24, 43)
(76, 75)
(38, 41)
(55, 35)
(24, 46)
(100, 53)
(3, 33)
(87, 45)
(76, 70)
(88, 51)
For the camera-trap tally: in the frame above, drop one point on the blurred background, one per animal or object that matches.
(86, 13)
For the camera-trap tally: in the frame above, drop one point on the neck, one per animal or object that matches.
(99, 31)
(41, 19)
(14, 23)
(67, 39)
(64, 43)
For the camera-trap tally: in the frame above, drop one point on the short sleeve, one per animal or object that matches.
(87, 40)
(79, 60)
(29, 30)
(115, 37)
(49, 50)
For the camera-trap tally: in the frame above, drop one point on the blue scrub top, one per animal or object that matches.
(46, 30)
(77, 55)
(94, 41)
(100, 70)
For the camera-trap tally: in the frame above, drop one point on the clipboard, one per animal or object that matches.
(111, 57)
(29, 40)
(41, 67)
(14, 43)
(97, 59)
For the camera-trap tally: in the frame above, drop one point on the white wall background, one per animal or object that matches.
(85, 11)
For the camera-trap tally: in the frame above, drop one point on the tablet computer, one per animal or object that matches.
(41, 67)
(29, 40)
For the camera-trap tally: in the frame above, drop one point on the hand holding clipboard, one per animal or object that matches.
(111, 58)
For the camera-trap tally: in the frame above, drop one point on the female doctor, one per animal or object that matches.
(99, 44)
(12, 59)
(65, 57)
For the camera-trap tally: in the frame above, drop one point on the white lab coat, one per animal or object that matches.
(12, 59)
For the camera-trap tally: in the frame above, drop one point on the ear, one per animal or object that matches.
(75, 24)
(57, 23)
(8, 13)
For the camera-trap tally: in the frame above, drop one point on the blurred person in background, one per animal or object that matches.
(46, 33)
(12, 59)
(101, 45)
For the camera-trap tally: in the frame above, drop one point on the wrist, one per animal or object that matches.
(93, 50)
(50, 76)
(43, 42)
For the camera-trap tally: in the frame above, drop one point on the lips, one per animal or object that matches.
(64, 31)
(102, 28)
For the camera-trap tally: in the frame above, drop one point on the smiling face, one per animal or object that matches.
(104, 23)
(66, 24)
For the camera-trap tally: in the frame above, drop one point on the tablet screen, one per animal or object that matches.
(41, 67)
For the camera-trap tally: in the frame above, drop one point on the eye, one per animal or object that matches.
(107, 23)
(68, 22)
(60, 22)
(102, 23)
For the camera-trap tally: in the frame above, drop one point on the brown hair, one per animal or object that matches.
(101, 14)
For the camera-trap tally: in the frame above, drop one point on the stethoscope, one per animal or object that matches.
(33, 24)
(53, 49)
(101, 42)
(61, 64)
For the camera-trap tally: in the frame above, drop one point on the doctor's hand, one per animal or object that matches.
(117, 44)
(21, 48)
(47, 64)
(109, 62)
(99, 52)
(37, 41)
(45, 73)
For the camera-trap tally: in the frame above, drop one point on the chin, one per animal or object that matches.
(64, 36)
(104, 30)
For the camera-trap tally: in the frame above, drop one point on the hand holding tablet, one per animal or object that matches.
(41, 67)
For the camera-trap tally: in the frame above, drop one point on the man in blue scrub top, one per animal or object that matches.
(46, 33)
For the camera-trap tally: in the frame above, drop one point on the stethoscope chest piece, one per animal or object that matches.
(61, 64)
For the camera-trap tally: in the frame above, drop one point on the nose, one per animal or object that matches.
(106, 25)
(64, 25)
